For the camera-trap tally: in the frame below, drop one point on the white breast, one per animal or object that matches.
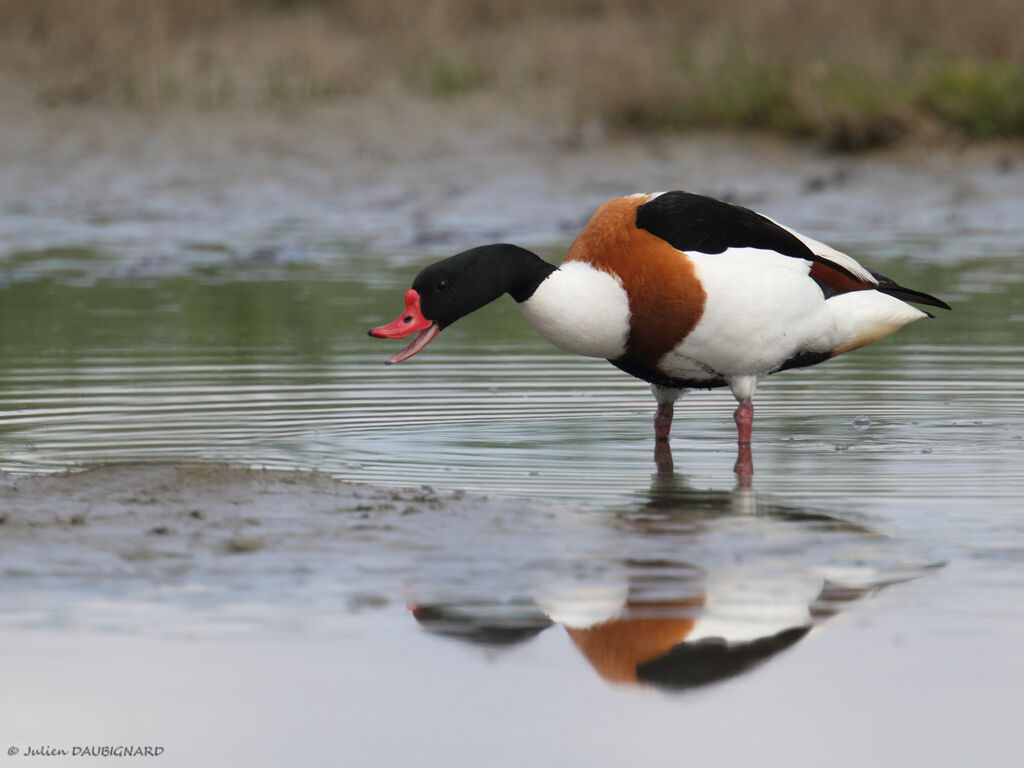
(581, 310)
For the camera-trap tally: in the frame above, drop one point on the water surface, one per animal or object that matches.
(869, 584)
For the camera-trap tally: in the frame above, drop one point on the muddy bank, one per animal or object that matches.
(168, 191)
(203, 523)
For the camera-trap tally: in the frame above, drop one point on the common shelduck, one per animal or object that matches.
(681, 290)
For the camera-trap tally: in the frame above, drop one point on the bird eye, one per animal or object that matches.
(442, 284)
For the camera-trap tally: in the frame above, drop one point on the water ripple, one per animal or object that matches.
(526, 424)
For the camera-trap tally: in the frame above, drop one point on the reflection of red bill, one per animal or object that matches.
(410, 321)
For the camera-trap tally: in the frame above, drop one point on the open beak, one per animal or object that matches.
(410, 321)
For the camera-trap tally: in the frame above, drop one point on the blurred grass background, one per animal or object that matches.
(851, 75)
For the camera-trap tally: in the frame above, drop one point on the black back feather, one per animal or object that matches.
(690, 222)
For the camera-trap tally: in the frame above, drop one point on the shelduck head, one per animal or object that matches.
(461, 284)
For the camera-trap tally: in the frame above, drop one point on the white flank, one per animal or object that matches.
(742, 605)
(761, 309)
(582, 310)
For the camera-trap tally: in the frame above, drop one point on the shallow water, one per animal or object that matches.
(869, 582)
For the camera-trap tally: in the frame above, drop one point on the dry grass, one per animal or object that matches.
(851, 74)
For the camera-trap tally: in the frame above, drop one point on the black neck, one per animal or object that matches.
(518, 270)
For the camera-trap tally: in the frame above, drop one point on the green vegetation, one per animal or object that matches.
(443, 75)
(851, 76)
(986, 100)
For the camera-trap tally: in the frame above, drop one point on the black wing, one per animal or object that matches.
(690, 222)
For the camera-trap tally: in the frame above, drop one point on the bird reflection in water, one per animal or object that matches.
(744, 466)
(752, 578)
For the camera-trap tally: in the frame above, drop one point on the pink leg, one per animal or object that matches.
(663, 421)
(744, 418)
